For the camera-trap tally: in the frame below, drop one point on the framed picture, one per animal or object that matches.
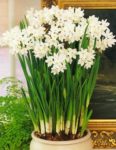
(103, 122)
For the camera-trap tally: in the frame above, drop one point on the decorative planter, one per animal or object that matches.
(84, 143)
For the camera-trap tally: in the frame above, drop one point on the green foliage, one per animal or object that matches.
(12, 86)
(15, 125)
(58, 103)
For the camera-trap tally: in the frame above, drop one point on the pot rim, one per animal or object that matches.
(81, 140)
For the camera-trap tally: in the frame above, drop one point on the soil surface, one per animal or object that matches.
(59, 137)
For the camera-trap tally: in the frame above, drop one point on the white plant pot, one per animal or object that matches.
(84, 143)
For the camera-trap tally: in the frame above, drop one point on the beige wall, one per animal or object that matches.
(3, 15)
(20, 8)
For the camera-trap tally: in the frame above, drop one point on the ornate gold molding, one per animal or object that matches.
(104, 139)
(103, 133)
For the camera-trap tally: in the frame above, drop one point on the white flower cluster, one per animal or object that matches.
(56, 36)
(86, 58)
(58, 61)
(99, 30)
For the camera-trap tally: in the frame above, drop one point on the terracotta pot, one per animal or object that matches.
(84, 143)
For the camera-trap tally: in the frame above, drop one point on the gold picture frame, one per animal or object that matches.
(88, 4)
(103, 130)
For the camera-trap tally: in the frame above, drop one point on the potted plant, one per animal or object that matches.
(59, 51)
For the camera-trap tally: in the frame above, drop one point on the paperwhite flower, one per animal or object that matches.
(35, 17)
(56, 35)
(67, 32)
(96, 27)
(60, 67)
(37, 33)
(86, 58)
(71, 54)
(57, 61)
(107, 41)
(41, 49)
(73, 14)
(12, 39)
(50, 61)
(51, 41)
(78, 15)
